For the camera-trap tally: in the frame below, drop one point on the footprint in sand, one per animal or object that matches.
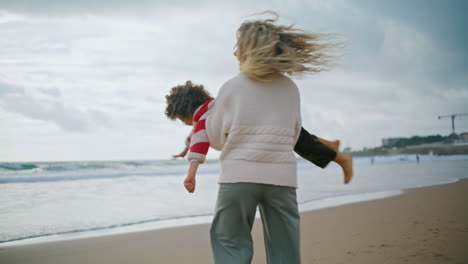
(442, 256)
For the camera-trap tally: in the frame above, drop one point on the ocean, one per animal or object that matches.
(40, 201)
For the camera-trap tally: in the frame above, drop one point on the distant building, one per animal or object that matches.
(347, 149)
(390, 141)
(464, 136)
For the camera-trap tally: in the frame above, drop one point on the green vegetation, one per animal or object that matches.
(416, 140)
(398, 146)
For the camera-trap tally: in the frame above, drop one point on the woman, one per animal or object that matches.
(255, 123)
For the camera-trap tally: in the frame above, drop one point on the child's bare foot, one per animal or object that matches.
(335, 145)
(346, 163)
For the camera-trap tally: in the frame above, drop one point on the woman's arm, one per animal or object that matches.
(218, 122)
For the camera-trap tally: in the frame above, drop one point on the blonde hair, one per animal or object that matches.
(264, 49)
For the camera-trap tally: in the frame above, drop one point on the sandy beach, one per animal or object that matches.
(425, 225)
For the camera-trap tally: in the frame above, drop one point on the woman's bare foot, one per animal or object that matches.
(346, 163)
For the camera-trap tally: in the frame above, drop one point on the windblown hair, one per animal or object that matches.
(264, 48)
(183, 100)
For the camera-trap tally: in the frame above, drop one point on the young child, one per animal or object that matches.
(191, 104)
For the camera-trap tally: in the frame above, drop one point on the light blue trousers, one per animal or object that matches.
(230, 231)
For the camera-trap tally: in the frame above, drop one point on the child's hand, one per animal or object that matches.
(178, 156)
(189, 183)
(181, 155)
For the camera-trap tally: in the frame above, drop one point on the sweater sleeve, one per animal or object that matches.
(199, 144)
(298, 124)
(218, 122)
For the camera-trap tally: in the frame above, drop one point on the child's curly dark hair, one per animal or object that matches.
(183, 100)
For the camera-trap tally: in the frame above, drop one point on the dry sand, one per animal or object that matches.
(427, 225)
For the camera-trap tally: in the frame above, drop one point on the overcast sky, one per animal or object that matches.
(85, 80)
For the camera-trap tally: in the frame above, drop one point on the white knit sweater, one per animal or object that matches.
(256, 125)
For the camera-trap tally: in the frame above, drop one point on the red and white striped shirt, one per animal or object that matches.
(198, 141)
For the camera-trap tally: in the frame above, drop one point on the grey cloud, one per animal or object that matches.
(14, 99)
(428, 38)
(60, 7)
(406, 61)
(55, 92)
(444, 21)
(6, 88)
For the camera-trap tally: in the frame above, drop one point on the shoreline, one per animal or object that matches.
(159, 224)
(403, 227)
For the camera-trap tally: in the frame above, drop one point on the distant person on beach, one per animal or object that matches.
(191, 104)
(256, 123)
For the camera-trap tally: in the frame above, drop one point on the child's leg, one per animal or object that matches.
(321, 152)
(310, 148)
